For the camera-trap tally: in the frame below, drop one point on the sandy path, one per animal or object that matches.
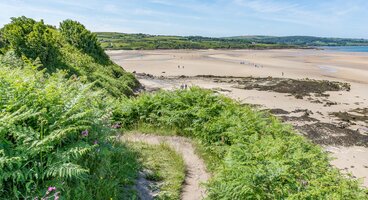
(196, 173)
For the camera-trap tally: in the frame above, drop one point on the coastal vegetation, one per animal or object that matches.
(54, 137)
(250, 154)
(71, 48)
(63, 103)
(110, 40)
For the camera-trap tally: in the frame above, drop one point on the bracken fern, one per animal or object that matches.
(41, 120)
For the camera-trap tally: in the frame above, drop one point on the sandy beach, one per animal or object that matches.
(337, 120)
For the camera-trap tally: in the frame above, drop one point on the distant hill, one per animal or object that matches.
(304, 40)
(111, 40)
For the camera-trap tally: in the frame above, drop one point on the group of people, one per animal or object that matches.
(184, 86)
(255, 65)
(180, 66)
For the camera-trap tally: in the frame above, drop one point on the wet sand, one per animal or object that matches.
(313, 114)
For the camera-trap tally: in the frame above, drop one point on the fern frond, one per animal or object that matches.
(65, 170)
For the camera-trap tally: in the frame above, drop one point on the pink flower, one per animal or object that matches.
(50, 189)
(95, 142)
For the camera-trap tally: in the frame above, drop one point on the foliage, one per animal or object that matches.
(78, 36)
(55, 132)
(30, 38)
(73, 49)
(253, 155)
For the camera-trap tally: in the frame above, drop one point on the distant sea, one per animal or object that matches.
(347, 48)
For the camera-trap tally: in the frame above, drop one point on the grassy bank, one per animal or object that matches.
(251, 154)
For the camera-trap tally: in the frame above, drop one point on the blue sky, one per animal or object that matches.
(336, 18)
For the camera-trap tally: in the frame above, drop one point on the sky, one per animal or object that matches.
(214, 18)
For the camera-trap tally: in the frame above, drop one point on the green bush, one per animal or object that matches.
(78, 36)
(71, 48)
(253, 155)
(54, 132)
(30, 38)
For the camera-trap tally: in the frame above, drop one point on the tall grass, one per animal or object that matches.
(253, 155)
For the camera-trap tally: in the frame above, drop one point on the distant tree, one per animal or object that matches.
(77, 35)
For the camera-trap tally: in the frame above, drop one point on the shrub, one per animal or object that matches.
(30, 38)
(72, 48)
(78, 36)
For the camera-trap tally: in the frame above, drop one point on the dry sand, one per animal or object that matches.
(313, 64)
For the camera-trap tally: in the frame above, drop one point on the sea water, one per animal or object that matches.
(347, 48)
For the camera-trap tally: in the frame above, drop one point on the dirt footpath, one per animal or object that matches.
(196, 173)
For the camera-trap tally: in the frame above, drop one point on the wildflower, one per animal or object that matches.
(50, 189)
(116, 126)
(85, 133)
(56, 195)
(95, 142)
